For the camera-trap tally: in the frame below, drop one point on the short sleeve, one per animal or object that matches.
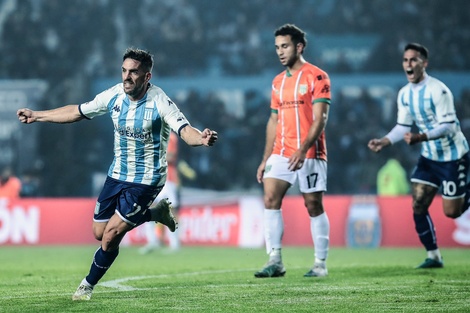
(99, 105)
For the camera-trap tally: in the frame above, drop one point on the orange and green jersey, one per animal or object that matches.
(292, 98)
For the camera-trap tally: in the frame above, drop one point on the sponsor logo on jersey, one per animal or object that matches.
(325, 89)
(291, 104)
(139, 134)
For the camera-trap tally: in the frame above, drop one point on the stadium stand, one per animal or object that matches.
(77, 43)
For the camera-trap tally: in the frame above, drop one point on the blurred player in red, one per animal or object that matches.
(170, 191)
(10, 186)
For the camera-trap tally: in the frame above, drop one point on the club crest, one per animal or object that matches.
(303, 89)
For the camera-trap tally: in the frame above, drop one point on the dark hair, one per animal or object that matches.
(297, 35)
(418, 47)
(143, 56)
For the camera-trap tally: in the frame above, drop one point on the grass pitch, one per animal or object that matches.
(202, 279)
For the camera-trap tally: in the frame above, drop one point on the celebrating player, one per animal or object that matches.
(143, 116)
(428, 103)
(295, 149)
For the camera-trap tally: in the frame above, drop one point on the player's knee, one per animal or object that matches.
(98, 236)
(453, 213)
(419, 207)
(453, 208)
(271, 201)
(314, 207)
(98, 233)
(98, 230)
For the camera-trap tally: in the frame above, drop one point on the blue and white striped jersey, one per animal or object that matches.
(428, 104)
(141, 132)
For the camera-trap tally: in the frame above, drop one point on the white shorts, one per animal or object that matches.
(311, 176)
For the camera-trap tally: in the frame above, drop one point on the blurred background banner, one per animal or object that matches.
(216, 60)
(238, 223)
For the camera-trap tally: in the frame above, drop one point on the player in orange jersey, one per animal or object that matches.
(295, 149)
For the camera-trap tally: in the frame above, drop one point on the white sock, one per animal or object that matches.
(320, 230)
(275, 255)
(173, 239)
(86, 283)
(435, 255)
(150, 235)
(273, 229)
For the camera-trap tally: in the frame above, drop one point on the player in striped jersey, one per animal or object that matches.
(444, 161)
(143, 116)
(295, 149)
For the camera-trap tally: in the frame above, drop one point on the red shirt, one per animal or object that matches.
(11, 189)
(172, 156)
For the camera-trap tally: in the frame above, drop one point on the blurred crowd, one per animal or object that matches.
(57, 39)
(72, 43)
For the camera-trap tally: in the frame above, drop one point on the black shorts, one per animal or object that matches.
(451, 176)
(129, 200)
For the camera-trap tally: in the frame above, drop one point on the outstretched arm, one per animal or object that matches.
(194, 137)
(65, 114)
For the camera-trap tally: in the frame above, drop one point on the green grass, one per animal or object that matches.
(200, 279)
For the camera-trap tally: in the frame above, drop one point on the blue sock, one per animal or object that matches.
(102, 260)
(147, 216)
(426, 232)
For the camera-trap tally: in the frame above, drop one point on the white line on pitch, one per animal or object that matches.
(120, 283)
